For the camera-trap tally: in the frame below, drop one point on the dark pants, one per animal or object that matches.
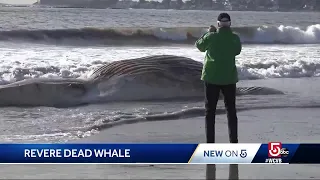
(212, 93)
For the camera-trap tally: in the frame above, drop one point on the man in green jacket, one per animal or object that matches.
(220, 74)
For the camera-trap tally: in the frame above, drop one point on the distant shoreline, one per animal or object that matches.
(80, 7)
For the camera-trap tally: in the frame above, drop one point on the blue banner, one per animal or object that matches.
(306, 154)
(273, 152)
(284, 155)
(96, 153)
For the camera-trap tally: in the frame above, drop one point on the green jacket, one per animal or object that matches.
(219, 65)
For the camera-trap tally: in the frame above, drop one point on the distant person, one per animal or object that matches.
(220, 74)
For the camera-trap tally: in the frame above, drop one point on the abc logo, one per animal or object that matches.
(284, 152)
(275, 150)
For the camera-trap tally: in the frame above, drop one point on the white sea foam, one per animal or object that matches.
(284, 34)
(256, 35)
(255, 61)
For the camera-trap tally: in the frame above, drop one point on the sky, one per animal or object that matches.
(18, 1)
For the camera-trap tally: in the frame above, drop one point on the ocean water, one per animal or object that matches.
(280, 50)
(70, 43)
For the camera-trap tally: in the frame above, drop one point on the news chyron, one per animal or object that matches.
(276, 152)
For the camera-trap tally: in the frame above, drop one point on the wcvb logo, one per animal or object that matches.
(274, 149)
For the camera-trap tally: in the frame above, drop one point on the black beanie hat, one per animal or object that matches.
(224, 17)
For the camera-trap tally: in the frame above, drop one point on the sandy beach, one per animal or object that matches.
(255, 126)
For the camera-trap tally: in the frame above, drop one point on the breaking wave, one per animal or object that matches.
(153, 36)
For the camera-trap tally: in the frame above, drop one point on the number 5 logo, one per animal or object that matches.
(274, 149)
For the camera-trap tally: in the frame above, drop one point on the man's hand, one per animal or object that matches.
(212, 28)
